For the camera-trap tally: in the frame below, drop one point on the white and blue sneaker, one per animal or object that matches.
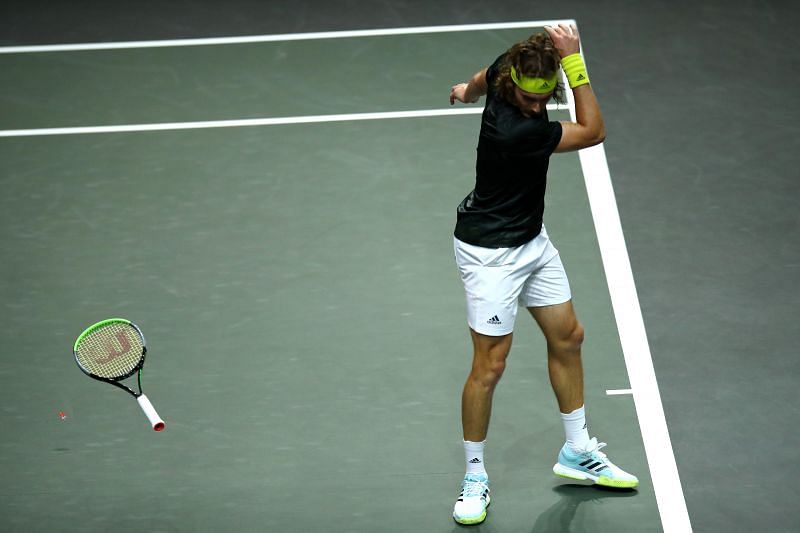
(474, 499)
(593, 465)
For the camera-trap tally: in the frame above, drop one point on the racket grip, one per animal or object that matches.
(150, 411)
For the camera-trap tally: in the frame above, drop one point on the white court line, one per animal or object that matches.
(633, 338)
(280, 37)
(625, 302)
(618, 392)
(311, 119)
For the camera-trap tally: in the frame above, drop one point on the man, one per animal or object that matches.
(504, 255)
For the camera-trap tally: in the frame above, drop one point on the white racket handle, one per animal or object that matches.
(150, 411)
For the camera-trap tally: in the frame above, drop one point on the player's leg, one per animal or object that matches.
(548, 298)
(488, 363)
(564, 335)
(580, 458)
(492, 281)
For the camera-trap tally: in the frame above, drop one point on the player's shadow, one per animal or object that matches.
(558, 518)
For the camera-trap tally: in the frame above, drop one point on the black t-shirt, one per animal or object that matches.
(506, 207)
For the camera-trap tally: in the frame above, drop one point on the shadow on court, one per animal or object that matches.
(563, 515)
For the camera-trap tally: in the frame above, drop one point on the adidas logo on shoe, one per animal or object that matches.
(495, 321)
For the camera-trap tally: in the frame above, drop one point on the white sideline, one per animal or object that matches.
(633, 338)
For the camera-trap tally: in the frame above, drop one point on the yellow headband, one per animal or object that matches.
(534, 85)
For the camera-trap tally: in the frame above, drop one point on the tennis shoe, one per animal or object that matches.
(593, 465)
(471, 505)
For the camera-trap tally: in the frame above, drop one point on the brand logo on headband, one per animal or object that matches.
(534, 85)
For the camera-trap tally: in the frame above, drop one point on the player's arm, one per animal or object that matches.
(470, 92)
(588, 128)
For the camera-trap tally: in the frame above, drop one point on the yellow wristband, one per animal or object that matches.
(575, 70)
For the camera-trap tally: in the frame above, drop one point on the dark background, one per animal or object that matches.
(701, 109)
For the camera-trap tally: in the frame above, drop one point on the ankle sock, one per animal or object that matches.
(575, 428)
(473, 453)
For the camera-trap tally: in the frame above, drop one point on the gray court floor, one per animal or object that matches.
(297, 286)
(212, 276)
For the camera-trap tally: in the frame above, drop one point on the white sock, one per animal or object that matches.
(575, 428)
(473, 452)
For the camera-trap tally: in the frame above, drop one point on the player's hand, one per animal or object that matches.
(459, 92)
(565, 38)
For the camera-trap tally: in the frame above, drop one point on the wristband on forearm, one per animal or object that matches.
(575, 70)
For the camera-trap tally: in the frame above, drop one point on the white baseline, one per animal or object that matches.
(310, 119)
(246, 39)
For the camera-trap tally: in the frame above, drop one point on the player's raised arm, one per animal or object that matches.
(470, 92)
(588, 129)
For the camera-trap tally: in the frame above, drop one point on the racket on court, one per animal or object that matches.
(111, 351)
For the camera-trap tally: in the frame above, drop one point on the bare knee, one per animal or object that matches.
(568, 342)
(487, 373)
(489, 360)
(575, 339)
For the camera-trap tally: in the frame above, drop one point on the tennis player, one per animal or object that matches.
(505, 258)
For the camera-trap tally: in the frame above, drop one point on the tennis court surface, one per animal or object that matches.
(289, 260)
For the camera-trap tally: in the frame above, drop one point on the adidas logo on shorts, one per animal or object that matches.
(494, 321)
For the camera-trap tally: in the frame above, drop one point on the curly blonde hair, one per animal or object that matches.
(536, 57)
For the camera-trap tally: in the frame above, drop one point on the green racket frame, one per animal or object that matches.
(155, 420)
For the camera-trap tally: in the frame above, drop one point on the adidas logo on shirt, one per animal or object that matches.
(494, 321)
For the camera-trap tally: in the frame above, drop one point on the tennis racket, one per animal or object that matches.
(111, 351)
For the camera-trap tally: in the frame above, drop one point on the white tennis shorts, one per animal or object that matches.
(499, 280)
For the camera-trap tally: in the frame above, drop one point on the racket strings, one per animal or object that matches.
(112, 351)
